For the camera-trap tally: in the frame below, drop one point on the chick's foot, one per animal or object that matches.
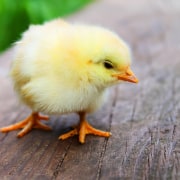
(83, 129)
(32, 121)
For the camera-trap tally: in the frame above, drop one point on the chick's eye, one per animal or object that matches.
(108, 64)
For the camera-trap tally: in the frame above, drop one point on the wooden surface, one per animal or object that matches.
(144, 119)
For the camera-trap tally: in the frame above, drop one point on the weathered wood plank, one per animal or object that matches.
(144, 119)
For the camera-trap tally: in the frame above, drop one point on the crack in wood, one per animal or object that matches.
(103, 150)
(60, 163)
(142, 158)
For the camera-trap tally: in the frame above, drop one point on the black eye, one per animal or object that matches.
(108, 65)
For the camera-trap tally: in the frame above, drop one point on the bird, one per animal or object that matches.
(61, 67)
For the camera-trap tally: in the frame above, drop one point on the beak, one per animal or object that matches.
(128, 76)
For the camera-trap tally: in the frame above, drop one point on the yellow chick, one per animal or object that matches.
(63, 68)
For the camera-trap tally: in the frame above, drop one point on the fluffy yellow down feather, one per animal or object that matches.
(63, 68)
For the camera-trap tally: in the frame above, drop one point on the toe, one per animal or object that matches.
(39, 125)
(69, 134)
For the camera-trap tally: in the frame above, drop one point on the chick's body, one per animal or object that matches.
(49, 73)
(61, 68)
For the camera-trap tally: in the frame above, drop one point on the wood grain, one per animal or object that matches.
(144, 119)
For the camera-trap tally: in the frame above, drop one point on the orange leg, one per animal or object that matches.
(83, 129)
(32, 121)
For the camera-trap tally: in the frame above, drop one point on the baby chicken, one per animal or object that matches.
(63, 68)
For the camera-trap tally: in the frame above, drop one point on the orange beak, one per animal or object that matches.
(128, 76)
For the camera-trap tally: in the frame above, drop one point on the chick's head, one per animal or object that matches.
(107, 57)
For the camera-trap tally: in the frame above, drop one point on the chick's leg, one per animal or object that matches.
(83, 129)
(32, 121)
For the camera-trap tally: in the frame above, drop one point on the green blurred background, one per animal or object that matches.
(16, 15)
